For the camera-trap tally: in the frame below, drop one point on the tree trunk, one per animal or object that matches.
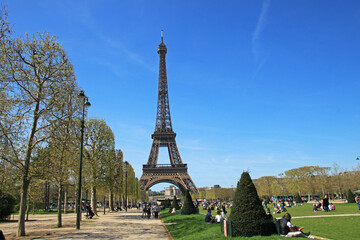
(25, 177)
(28, 207)
(93, 200)
(65, 198)
(46, 199)
(22, 210)
(111, 201)
(59, 208)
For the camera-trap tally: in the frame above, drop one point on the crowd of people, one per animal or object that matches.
(150, 209)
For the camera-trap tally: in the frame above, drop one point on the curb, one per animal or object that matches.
(165, 228)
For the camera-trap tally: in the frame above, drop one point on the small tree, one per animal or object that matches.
(247, 214)
(167, 203)
(188, 207)
(350, 196)
(175, 204)
(298, 199)
(7, 204)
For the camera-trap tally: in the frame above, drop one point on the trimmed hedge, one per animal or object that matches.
(247, 216)
(188, 207)
(7, 204)
(175, 204)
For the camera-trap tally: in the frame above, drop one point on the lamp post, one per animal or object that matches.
(85, 103)
(126, 199)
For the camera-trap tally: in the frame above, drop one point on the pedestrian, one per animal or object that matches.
(156, 211)
(148, 211)
(357, 199)
(224, 212)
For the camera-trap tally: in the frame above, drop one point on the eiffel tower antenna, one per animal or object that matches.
(162, 36)
(164, 136)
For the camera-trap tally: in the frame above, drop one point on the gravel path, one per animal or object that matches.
(118, 225)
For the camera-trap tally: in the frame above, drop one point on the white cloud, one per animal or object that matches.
(261, 23)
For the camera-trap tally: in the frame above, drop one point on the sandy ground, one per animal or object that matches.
(118, 225)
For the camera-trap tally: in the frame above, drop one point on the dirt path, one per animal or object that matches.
(119, 225)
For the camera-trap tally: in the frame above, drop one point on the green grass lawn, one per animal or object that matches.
(331, 227)
(307, 210)
(194, 227)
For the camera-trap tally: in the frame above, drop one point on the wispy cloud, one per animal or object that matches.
(261, 23)
(88, 19)
(117, 45)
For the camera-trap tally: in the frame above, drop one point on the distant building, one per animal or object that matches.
(171, 191)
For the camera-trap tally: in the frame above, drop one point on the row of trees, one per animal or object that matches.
(221, 194)
(40, 116)
(310, 180)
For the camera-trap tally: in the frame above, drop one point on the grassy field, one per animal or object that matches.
(194, 227)
(307, 210)
(331, 227)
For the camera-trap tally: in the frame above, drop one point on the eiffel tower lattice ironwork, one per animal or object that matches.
(164, 136)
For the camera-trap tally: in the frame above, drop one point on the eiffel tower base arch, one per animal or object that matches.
(167, 174)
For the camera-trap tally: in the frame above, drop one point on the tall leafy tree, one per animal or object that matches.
(99, 145)
(37, 73)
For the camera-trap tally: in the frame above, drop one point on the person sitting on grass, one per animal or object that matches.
(289, 230)
(277, 210)
(314, 208)
(208, 217)
(332, 207)
(268, 211)
(218, 217)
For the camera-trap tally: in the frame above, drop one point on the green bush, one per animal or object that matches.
(350, 196)
(247, 214)
(175, 204)
(167, 203)
(7, 204)
(188, 207)
(298, 198)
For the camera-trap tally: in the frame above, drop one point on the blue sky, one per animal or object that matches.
(263, 86)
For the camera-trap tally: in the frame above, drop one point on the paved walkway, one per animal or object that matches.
(118, 225)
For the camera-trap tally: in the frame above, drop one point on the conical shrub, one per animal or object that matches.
(167, 203)
(175, 204)
(350, 196)
(298, 198)
(188, 207)
(247, 214)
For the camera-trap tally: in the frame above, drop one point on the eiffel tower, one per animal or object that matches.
(164, 136)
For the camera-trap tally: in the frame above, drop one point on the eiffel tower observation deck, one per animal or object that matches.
(164, 136)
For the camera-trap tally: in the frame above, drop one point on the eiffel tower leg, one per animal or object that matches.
(154, 153)
(174, 154)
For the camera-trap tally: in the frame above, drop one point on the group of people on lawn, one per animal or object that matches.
(325, 206)
(220, 215)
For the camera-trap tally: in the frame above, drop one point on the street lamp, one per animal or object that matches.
(85, 103)
(126, 200)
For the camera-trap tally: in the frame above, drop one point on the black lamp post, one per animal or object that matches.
(126, 199)
(85, 103)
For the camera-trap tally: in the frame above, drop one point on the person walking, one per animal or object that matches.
(156, 211)
(357, 199)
